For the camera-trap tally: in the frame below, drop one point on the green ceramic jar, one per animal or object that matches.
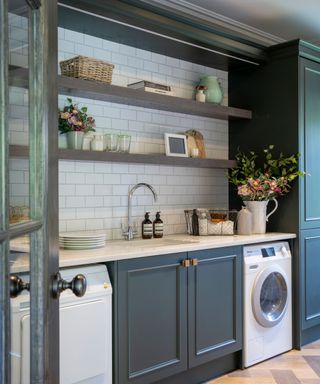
(214, 92)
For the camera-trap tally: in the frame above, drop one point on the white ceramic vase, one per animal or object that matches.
(259, 214)
(75, 139)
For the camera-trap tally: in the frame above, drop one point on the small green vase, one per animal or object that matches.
(214, 92)
(75, 139)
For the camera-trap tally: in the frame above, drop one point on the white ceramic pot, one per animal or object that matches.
(75, 139)
(259, 214)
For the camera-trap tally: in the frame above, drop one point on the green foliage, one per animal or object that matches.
(271, 179)
(274, 168)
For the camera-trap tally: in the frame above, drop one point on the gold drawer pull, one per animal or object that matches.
(186, 263)
(194, 262)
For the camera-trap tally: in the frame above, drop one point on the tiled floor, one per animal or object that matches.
(293, 367)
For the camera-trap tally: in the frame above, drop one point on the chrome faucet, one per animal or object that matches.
(130, 232)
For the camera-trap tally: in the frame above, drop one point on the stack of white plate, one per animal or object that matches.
(82, 240)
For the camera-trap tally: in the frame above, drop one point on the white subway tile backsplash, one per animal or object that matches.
(73, 178)
(102, 212)
(112, 201)
(67, 189)
(75, 225)
(94, 201)
(85, 213)
(120, 168)
(94, 195)
(85, 190)
(87, 167)
(118, 58)
(83, 50)
(94, 224)
(103, 190)
(66, 166)
(144, 55)
(102, 167)
(73, 201)
(73, 36)
(67, 213)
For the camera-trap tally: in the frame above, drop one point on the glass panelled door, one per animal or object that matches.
(29, 182)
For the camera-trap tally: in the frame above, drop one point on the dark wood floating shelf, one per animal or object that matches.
(117, 157)
(122, 95)
(128, 96)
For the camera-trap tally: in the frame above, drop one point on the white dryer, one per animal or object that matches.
(267, 301)
(85, 331)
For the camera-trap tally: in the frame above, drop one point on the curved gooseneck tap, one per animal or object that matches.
(130, 233)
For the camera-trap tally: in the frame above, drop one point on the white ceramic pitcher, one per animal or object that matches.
(259, 214)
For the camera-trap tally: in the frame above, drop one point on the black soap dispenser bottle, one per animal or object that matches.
(147, 227)
(158, 227)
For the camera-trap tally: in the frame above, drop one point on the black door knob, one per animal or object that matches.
(78, 285)
(17, 285)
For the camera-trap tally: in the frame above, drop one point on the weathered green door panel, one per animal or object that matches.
(310, 143)
(152, 318)
(214, 306)
(310, 272)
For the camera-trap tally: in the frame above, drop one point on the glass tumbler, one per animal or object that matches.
(111, 142)
(124, 143)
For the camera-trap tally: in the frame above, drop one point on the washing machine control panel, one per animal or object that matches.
(266, 251)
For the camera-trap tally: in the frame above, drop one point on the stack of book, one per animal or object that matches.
(149, 86)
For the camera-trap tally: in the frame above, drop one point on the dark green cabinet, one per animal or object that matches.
(152, 323)
(310, 271)
(310, 143)
(214, 306)
(284, 95)
(175, 312)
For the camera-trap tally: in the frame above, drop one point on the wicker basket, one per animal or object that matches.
(87, 68)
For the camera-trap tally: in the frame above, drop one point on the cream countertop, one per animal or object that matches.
(122, 249)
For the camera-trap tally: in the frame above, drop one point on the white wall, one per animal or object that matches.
(93, 195)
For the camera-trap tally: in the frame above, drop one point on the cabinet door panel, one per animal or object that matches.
(310, 206)
(214, 305)
(152, 318)
(310, 277)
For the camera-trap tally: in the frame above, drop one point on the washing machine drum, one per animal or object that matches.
(270, 296)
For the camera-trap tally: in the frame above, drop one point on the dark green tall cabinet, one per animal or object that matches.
(284, 95)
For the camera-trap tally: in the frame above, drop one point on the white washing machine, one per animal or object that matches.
(85, 331)
(267, 301)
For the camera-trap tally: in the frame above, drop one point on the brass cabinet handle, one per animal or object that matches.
(189, 262)
(186, 263)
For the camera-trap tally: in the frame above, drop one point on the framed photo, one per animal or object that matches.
(176, 145)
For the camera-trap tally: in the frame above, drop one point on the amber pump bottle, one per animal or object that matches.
(158, 227)
(147, 227)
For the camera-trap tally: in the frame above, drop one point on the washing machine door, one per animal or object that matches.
(270, 296)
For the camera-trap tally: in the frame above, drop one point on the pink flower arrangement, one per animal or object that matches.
(273, 179)
(71, 118)
(263, 188)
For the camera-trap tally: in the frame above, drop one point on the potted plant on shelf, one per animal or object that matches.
(258, 185)
(74, 122)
